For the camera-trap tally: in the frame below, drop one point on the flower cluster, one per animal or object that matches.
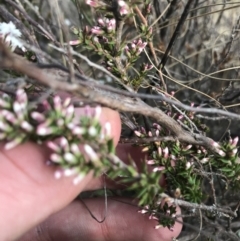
(135, 48)
(56, 116)
(106, 26)
(104, 38)
(146, 67)
(180, 162)
(78, 144)
(99, 38)
(165, 214)
(14, 120)
(228, 164)
(11, 35)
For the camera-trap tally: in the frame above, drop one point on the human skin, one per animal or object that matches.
(36, 206)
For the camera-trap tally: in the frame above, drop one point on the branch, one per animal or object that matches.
(92, 91)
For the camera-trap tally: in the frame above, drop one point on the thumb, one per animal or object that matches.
(29, 192)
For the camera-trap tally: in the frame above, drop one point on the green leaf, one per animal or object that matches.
(110, 145)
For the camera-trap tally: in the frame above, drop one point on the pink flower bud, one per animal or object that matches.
(124, 8)
(143, 211)
(55, 158)
(67, 102)
(215, 144)
(9, 116)
(221, 153)
(204, 160)
(21, 96)
(145, 149)
(107, 129)
(75, 149)
(137, 133)
(43, 130)
(173, 158)
(187, 147)
(37, 116)
(3, 126)
(157, 169)
(92, 3)
(101, 22)
(143, 130)
(26, 126)
(133, 46)
(63, 142)
(150, 162)
(53, 146)
(98, 112)
(111, 25)
(70, 111)
(69, 172)
(157, 126)
(235, 141)
(158, 226)
(97, 30)
(12, 143)
(57, 103)
(234, 151)
(91, 153)
(74, 42)
(166, 152)
(76, 130)
(180, 117)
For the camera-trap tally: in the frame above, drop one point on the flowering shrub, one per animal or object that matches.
(190, 167)
(64, 134)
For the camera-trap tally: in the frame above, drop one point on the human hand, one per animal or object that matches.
(32, 199)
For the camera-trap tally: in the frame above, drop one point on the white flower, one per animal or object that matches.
(10, 35)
